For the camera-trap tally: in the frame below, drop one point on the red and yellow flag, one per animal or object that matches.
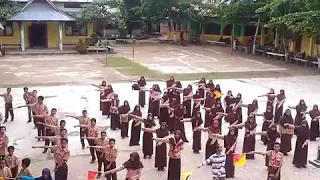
(217, 94)
(92, 175)
(239, 159)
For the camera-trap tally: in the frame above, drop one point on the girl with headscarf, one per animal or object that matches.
(300, 157)
(232, 118)
(178, 125)
(209, 103)
(300, 108)
(124, 111)
(147, 142)
(46, 175)
(249, 141)
(175, 148)
(268, 119)
(142, 94)
(133, 166)
(212, 142)
(286, 132)
(228, 102)
(215, 113)
(238, 107)
(187, 102)
(161, 148)
(101, 87)
(314, 127)
(170, 84)
(281, 98)
(135, 126)
(271, 136)
(271, 98)
(196, 102)
(154, 100)
(164, 111)
(106, 102)
(196, 123)
(230, 143)
(115, 118)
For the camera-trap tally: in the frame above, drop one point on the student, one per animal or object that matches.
(61, 157)
(12, 162)
(4, 171)
(8, 105)
(25, 163)
(46, 175)
(218, 161)
(3, 141)
(133, 166)
(83, 120)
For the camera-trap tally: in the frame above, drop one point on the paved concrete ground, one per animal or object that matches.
(200, 59)
(73, 99)
(54, 69)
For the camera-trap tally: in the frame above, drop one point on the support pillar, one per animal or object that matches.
(60, 36)
(22, 36)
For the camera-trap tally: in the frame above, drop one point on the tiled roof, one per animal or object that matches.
(41, 10)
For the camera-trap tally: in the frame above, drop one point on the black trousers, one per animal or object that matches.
(14, 172)
(29, 114)
(108, 168)
(61, 172)
(83, 133)
(92, 150)
(8, 109)
(40, 127)
(101, 161)
(48, 132)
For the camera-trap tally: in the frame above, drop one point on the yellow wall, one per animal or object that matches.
(52, 35)
(305, 45)
(75, 39)
(16, 35)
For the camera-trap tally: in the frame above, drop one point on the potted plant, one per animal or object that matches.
(81, 47)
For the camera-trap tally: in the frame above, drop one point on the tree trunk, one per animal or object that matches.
(318, 55)
(276, 39)
(233, 44)
(286, 58)
(255, 37)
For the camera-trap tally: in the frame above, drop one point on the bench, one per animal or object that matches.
(10, 45)
(166, 40)
(315, 64)
(276, 55)
(217, 43)
(303, 61)
(262, 52)
(69, 44)
(242, 48)
(100, 48)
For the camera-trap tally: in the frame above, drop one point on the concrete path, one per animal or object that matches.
(71, 99)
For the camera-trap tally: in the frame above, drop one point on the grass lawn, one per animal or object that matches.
(134, 70)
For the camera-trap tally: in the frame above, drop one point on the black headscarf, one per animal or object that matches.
(133, 162)
(286, 118)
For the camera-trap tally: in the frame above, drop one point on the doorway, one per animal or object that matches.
(38, 35)
(298, 44)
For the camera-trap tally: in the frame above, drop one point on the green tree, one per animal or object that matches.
(8, 8)
(305, 21)
(106, 12)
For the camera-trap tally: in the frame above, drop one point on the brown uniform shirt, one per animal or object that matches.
(3, 144)
(111, 154)
(61, 155)
(5, 172)
(11, 161)
(102, 142)
(93, 131)
(7, 98)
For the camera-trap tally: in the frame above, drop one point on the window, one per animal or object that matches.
(74, 29)
(212, 28)
(72, 5)
(8, 29)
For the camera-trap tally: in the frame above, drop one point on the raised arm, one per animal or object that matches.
(186, 120)
(163, 140)
(260, 153)
(41, 116)
(98, 147)
(263, 133)
(236, 125)
(48, 125)
(150, 130)
(82, 126)
(201, 129)
(75, 117)
(219, 136)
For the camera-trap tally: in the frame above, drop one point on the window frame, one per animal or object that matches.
(73, 24)
(4, 30)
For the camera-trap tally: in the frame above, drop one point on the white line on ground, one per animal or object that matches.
(201, 55)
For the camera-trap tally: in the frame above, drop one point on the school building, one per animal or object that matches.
(45, 24)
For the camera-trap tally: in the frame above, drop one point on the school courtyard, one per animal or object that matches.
(68, 77)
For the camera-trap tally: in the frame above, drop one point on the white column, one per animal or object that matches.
(22, 36)
(60, 36)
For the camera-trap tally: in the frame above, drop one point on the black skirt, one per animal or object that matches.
(174, 169)
(211, 148)
(147, 144)
(115, 121)
(161, 156)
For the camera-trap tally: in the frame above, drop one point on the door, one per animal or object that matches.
(297, 47)
(38, 35)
